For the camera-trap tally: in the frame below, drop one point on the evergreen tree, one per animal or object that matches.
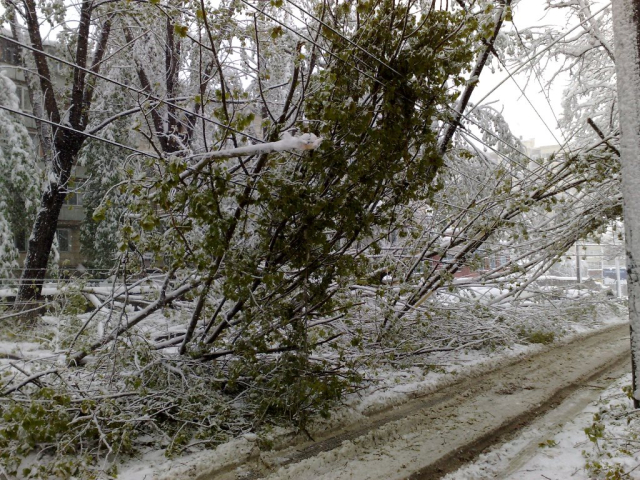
(19, 180)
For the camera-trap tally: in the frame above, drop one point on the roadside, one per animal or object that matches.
(556, 446)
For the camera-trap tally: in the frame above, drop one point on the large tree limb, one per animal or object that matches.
(33, 27)
(308, 141)
(451, 128)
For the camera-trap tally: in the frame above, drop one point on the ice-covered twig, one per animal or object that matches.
(30, 379)
(165, 298)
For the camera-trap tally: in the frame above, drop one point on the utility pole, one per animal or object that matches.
(578, 272)
(618, 285)
(626, 31)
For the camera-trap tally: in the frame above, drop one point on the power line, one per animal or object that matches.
(530, 103)
(363, 50)
(294, 31)
(208, 119)
(378, 81)
(490, 133)
(565, 182)
(65, 127)
(395, 71)
(564, 144)
(512, 160)
(538, 78)
(291, 29)
(548, 100)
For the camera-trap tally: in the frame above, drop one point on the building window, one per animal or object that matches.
(23, 98)
(9, 53)
(73, 198)
(20, 241)
(64, 239)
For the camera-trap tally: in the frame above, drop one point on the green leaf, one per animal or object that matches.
(99, 214)
(181, 30)
(148, 223)
(276, 32)
(508, 17)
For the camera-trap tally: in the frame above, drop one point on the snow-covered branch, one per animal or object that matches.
(307, 141)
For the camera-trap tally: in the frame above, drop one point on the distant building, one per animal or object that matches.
(479, 262)
(486, 262)
(542, 151)
(597, 262)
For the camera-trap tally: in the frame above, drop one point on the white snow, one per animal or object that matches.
(307, 141)
(547, 451)
(153, 465)
(390, 389)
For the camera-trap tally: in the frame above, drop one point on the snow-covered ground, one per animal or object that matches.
(388, 384)
(391, 388)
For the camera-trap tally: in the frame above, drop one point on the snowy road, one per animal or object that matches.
(431, 436)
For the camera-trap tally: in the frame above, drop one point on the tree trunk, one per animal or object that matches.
(626, 29)
(41, 240)
(66, 143)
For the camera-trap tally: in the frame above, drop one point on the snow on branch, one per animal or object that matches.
(307, 141)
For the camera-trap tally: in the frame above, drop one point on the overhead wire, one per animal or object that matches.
(539, 79)
(295, 32)
(130, 88)
(80, 132)
(548, 47)
(526, 97)
(348, 40)
(544, 92)
(562, 145)
(292, 30)
(141, 92)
